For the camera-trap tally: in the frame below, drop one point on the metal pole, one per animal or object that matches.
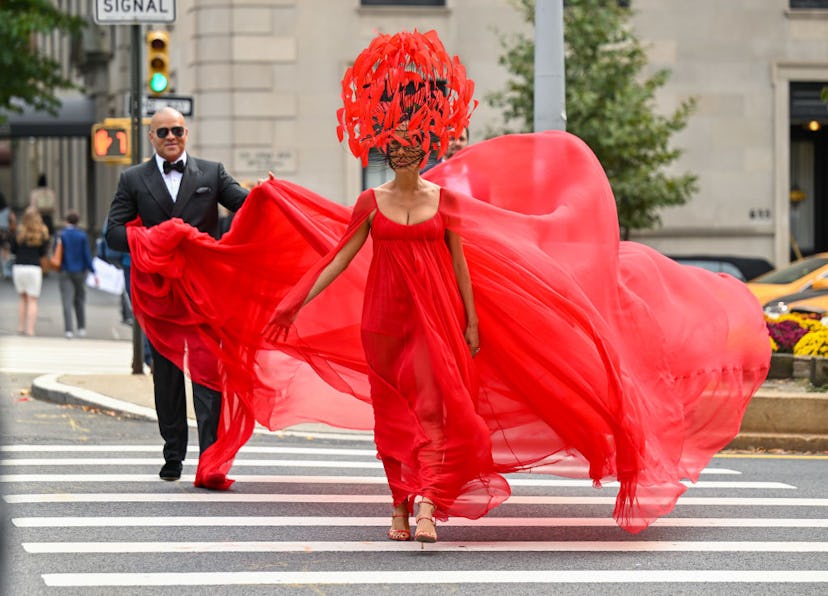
(136, 115)
(550, 90)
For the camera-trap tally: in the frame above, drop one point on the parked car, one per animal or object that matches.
(742, 268)
(791, 279)
(814, 300)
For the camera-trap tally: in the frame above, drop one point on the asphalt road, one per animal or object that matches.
(86, 514)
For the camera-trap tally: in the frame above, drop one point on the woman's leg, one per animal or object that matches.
(400, 526)
(31, 314)
(21, 313)
(426, 530)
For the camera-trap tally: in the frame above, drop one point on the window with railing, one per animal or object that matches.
(403, 2)
(808, 4)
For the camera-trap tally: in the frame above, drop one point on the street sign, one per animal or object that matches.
(134, 12)
(151, 104)
(111, 141)
(182, 103)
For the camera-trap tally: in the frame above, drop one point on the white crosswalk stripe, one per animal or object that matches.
(125, 496)
(476, 576)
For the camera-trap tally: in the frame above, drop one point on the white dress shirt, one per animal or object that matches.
(173, 179)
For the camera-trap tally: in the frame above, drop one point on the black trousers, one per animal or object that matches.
(171, 407)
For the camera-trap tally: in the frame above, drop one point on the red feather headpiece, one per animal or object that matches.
(404, 77)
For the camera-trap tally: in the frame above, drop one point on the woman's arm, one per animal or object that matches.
(461, 272)
(340, 262)
(284, 316)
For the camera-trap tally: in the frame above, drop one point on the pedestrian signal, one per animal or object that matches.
(158, 61)
(111, 141)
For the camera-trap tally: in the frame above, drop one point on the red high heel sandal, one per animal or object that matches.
(426, 536)
(399, 535)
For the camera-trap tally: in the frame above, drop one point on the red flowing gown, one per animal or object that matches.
(599, 359)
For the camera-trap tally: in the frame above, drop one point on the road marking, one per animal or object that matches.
(239, 463)
(768, 456)
(315, 450)
(10, 478)
(233, 497)
(391, 546)
(139, 461)
(193, 450)
(343, 521)
(472, 576)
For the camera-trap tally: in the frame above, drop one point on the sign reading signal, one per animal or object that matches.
(119, 12)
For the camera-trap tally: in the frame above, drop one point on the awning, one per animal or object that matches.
(75, 118)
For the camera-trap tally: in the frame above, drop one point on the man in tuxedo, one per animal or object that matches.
(173, 184)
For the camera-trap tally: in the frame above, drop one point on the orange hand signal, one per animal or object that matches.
(102, 142)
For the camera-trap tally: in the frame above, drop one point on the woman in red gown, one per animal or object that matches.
(598, 359)
(419, 333)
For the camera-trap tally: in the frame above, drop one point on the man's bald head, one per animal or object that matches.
(168, 133)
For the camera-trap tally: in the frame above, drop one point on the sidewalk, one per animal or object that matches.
(783, 415)
(131, 396)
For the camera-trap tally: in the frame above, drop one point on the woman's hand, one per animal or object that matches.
(270, 177)
(473, 339)
(279, 326)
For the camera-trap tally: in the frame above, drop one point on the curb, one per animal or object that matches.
(48, 388)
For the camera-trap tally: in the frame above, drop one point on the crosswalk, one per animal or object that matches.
(95, 516)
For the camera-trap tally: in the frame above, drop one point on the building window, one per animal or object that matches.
(403, 2)
(809, 4)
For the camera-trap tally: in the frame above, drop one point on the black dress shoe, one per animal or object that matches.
(171, 471)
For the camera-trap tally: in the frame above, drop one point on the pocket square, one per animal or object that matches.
(202, 189)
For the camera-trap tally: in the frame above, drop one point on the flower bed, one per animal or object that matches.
(801, 336)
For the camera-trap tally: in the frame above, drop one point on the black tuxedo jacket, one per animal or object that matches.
(142, 191)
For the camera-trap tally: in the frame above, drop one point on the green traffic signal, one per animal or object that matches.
(158, 83)
(158, 61)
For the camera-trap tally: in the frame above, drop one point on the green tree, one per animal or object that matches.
(609, 104)
(26, 74)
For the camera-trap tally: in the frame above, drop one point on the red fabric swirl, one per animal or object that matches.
(599, 359)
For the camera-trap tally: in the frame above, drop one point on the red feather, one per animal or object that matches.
(405, 76)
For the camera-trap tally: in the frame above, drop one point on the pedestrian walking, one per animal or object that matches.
(29, 247)
(73, 259)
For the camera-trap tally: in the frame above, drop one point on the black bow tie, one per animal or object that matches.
(177, 166)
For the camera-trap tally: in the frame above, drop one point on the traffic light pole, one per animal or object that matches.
(136, 115)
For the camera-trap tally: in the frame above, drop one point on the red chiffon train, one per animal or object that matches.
(599, 359)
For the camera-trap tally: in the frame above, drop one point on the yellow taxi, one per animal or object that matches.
(796, 277)
(813, 301)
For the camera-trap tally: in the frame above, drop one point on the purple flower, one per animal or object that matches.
(786, 334)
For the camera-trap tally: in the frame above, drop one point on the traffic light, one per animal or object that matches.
(111, 141)
(158, 61)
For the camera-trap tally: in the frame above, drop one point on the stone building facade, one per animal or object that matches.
(264, 77)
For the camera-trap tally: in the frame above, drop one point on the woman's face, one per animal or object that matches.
(401, 156)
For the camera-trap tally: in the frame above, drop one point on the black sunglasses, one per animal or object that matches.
(162, 132)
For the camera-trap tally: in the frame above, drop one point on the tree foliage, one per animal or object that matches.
(27, 75)
(609, 104)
